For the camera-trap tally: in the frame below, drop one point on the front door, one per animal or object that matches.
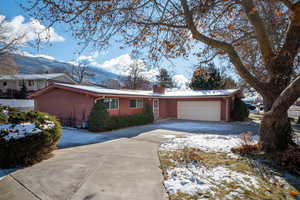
(156, 108)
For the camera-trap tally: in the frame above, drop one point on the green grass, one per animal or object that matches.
(267, 190)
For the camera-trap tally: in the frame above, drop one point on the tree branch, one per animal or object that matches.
(261, 33)
(289, 50)
(287, 96)
(227, 48)
(159, 24)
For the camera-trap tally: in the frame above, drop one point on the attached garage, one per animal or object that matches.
(199, 110)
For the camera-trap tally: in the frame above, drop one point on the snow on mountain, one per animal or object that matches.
(34, 65)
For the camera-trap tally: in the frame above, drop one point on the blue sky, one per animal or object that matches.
(65, 50)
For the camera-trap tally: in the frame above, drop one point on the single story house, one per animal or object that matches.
(32, 82)
(74, 102)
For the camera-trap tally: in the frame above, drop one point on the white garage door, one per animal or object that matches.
(199, 110)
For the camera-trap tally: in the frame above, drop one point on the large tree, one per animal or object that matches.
(261, 39)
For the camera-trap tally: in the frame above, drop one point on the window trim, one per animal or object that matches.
(142, 104)
(118, 107)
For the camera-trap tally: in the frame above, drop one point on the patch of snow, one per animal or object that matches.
(74, 136)
(169, 136)
(48, 125)
(18, 131)
(206, 143)
(195, 179)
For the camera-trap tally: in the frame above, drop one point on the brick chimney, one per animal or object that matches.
(158, 89)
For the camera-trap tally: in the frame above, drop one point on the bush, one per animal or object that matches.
(97, 117)
(28, 150)
(116, 122)
(240, 110)
(11, 115)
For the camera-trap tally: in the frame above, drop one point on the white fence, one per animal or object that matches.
(22, 104)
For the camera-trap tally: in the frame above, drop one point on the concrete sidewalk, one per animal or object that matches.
(118, 169)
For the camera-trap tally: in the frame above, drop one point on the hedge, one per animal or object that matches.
(32, 148)
(99, 120)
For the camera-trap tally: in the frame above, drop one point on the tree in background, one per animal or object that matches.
(79, 71)
(136, 79)
(261, 40)
(210, 78)
(164, 78)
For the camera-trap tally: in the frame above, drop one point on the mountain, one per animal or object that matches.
(37, 65)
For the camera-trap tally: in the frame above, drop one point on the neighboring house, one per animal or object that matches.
(32, 82)
(74, 102)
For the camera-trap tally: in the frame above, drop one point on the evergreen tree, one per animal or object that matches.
(207, 78)
(164, 78)
(97, 117)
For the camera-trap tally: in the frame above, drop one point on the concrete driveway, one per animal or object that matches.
(123, 165)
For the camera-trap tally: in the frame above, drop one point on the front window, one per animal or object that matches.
(136, 103)
(111, 103)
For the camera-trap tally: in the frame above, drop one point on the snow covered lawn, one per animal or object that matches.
(203, 167)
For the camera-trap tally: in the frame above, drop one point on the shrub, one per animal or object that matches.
(24, 151)
(12, 115)
(3, 115)
(240, 110)
(97, 117)
(116, 122)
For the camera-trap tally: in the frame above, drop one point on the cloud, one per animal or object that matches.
(180, 81)
(120, 65)
(29, 31)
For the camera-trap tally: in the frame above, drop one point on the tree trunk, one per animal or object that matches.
(276, 131)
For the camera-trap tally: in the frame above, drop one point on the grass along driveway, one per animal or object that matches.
(203, 167)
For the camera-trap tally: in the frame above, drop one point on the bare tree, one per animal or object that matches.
(260, 39)
(79, 71)
(8, 42)
(135, 78)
